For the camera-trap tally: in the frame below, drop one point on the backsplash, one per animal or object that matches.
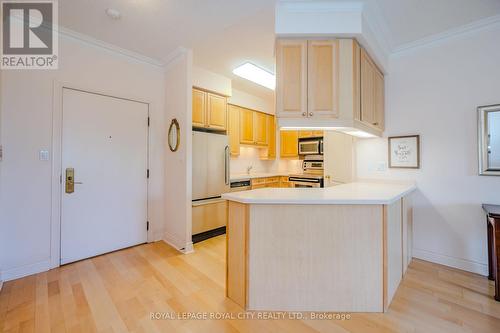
(249, 156)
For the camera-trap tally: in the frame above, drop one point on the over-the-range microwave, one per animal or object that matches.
(311, 146)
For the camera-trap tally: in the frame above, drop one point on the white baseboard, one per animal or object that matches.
(19, 272)
(177, 244)
(463, 264)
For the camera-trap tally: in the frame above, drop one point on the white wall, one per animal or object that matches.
(178, 165)
(205, 79)
(434, 91)
(26, 128)
(253, 102)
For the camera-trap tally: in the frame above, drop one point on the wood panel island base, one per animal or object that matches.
(338, 249)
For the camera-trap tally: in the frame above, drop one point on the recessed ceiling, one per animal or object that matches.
(227, 33)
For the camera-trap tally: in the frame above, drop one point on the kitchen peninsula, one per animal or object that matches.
(342, 248)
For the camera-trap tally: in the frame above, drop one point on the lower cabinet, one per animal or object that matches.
(277, 181)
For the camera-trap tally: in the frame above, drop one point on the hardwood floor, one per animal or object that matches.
(118, 292)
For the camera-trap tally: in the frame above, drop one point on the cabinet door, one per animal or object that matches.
(379, 96)
(289, 144)
(322, 78)
(260, 128)
(291, 78)
(246, 127)
(199, 108)
(271, 147)
(233, 129)
(367, 90)
(217, 112)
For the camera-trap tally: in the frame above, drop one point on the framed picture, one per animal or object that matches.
(404, 152)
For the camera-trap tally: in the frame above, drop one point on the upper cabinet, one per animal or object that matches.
(289, 144)
(199, 108)
(253, 127)
(372, 92)
(322, 78)
(209, 110)
(233, 129)
(328, 83)
(307, 78)
(291, 78)
(260, 128)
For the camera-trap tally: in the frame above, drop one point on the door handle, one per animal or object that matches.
(226, 165)
(70, 180)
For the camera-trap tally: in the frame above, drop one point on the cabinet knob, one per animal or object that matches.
(304, 114)
(376, 124)
(310, 113)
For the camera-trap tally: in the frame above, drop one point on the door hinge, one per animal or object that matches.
(148, 121)
(147, 174)
(147, 225)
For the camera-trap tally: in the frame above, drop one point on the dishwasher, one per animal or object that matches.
(240, 185)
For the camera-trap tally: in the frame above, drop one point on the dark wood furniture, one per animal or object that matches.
(493, 223)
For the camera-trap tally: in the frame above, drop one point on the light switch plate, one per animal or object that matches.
(43, 155)
(381, 166)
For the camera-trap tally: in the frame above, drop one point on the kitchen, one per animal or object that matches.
(327, 161)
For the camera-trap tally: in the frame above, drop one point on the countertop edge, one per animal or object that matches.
(231, 197)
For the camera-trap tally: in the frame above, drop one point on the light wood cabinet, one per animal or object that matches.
(330, 83)
(265, 182)
(284, 182)
(233, 129)
(289, 144)
(260, 128)
(253, 127)
(291, 78)
(372, 92)
(209, 110)
(216, 112)
(246, 126)
(307, 78)
(199, 108)
(322, 78)
(270, 152)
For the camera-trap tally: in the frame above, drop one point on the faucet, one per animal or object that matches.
(249, 168)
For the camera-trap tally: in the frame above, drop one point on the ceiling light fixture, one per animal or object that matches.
(256, 74)
(113, 13)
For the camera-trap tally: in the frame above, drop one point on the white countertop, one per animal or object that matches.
(252, 175)
(345, 194)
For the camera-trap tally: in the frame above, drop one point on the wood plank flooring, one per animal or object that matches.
(117, 292)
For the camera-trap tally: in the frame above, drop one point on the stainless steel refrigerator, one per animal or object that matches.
(210, 180)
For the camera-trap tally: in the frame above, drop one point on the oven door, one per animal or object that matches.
(305, 182)
(310, 147)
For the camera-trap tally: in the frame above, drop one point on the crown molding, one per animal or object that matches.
(320, 6)
(109, 47)
(473, 27)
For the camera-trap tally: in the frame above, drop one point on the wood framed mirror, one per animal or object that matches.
(174, 135)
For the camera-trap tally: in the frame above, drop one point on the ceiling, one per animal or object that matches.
(226, 33)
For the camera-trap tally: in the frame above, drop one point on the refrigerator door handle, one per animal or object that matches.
(226, 164)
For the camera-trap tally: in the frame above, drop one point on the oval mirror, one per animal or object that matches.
(174, 135)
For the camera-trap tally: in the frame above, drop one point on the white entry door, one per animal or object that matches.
(105, 142)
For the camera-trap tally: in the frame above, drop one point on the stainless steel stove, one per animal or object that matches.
(312, 173)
